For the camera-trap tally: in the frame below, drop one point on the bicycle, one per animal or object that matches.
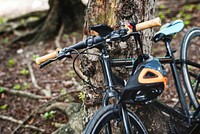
(111, 115)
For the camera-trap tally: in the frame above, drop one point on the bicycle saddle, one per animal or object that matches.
(169, 29)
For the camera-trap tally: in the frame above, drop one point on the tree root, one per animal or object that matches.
(60, 106)
(25, 21)
(37, 14)
(58, 37)
(47, 92)
(26, 37)
(33, 79)
(11, 119)
(53, 100)
(24, 94)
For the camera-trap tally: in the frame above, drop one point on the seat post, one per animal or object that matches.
(167, 40)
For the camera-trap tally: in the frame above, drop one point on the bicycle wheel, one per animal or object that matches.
(190, 56)
(109, 115)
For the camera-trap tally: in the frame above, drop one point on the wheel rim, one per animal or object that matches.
(115, 123)
(191, 73)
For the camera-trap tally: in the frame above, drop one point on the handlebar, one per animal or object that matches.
(46, 57)
(60, 53)
(148, 24)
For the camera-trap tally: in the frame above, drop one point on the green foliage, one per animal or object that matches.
(82, 96)
(65, 36)
(2, 20)
(189, 7)
(35, 56)
(11, 62)
(185, 16)
(25, 86)
(5, 41)
(33, 18)
(198, 7)
(2, 89)
(168, 11)
(48, 115)
(23, 21)
(62, 91)
(184, 13)
(17, 87)
(75, 34)
(24, 71)
(161, 15)
(4, 107)
(161, 7)
(71, 74)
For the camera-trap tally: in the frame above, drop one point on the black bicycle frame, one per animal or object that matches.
(179, 88)
(170, 59)
(185, 116)
(110, 92)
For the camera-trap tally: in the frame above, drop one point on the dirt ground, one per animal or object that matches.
(18, 72)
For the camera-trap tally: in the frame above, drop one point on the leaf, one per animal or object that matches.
(26, 86)
(48, 115)
(2, 89)
(34, 57)
(24, 72)
(82, 96)
(5, 41)
(186, 22)
(4, 107)
(17, 87)
(11, 62)
(2, 20)
(71, 74)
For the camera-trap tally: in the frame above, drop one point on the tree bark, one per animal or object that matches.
(67, 13)
(111, 13)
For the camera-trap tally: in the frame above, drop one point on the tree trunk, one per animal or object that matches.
(63, 14)
(111, 12)
(68, 13)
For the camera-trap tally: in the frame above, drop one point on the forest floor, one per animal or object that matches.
(36, 87)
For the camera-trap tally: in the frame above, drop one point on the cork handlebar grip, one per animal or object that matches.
(148, 24)
(46, 57)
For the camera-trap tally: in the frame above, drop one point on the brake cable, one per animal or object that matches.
(94, 88)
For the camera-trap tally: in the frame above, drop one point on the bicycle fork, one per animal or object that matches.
(126, 120)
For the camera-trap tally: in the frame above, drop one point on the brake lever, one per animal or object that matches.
(60, 56)
(47, 62)
(125, 37)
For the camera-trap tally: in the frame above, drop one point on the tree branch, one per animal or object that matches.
(58, 37)
(33, 76)
(11, 119)
(24, 94)
(38, 109)
(47, 92)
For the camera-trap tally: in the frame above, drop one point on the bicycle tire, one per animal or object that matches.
(110, 114)
(190, 53)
